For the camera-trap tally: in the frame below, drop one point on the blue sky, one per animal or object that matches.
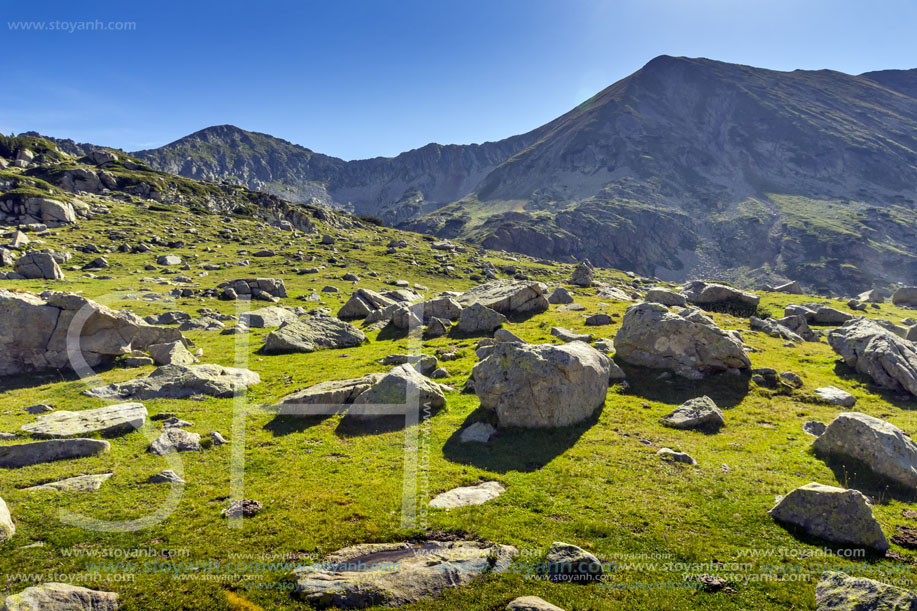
(363, 78)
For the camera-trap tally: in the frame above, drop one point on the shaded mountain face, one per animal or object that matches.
(687, 168)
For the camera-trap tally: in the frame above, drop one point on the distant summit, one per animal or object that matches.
(689, 167)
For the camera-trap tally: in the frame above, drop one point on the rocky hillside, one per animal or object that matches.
(686, 168)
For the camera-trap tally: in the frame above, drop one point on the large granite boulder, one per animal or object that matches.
(38, 266)
(324, 394)
(396, 574)
(108, 420)
(507, 297)
(881, 446)
(171, 353)
(477, 319)
(362, 303)
(888, 359)
(666, 297)
(689, 343)
(313, 334)
(905, 296)
(834, 514)
(542, 385)
(38, 452)
(178, 382)
(61, 597)
(398, 387)
(583, 274)
(271, 316)
(703, 293)
(34, 332)
(838, 591)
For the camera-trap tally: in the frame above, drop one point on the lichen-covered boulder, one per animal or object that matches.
(689, 343)
(838, 591)
(542, 385)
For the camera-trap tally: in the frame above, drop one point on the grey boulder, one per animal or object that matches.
(61, 597)
(881, 446)
(542, 385)
(478, 318)
(838, 591)
(40, 266)
(833, 514)
(689, 343)
(179, 382)
(396, 574)
(507, 297)
(312, 334)
(877, 352)
(700, 414)
(109, 420)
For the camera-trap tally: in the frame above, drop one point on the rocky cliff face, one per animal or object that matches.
(686, 168)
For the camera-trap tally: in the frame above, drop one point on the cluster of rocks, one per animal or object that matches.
(873, 350)
(50, 330)
(47, 211)
(264, 289)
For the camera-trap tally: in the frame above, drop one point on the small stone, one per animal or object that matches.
(166, 477)
(480, 432)
(245, 508)
(672, 455)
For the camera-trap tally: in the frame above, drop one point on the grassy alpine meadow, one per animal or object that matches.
(327, 483)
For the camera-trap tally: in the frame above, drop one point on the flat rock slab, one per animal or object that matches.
(61, 597)
(38, 452)
(111, 419)
(178, 382)
(836, 396)
(468, 495)
(395, 574)
(80, 483)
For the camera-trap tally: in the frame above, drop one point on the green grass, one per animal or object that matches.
(326, 485)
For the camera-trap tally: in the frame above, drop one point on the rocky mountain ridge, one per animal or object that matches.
(687, 168)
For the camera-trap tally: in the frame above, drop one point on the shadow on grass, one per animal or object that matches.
(285, 425)
(514, 449)
(900, 400)
(852, 473)
(31, 380)
(725, 389)
(841, 549)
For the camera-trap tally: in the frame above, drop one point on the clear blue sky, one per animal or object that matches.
(361, 78)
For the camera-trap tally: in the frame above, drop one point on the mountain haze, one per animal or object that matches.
(686, 168)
